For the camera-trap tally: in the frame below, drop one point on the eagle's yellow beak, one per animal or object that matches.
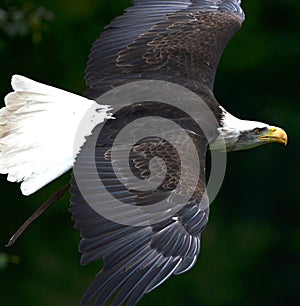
(275, 134)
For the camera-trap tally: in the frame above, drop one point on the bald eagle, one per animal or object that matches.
(169, 41)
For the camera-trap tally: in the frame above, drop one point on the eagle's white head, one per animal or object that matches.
(245, 134)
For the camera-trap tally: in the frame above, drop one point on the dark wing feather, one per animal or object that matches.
(141, 258)
(136, 21)
(138, 258)
(176, 41)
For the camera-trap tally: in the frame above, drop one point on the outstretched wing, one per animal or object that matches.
(138, 256)
(172, 40)
(179, 41)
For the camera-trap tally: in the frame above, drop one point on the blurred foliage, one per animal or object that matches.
(25, 21)
(251, 246)
(6, 259)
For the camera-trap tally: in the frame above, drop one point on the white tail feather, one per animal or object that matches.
(38, 130)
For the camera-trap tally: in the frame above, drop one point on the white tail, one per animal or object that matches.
(38, 129)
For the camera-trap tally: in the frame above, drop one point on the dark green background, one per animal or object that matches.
(250, 249)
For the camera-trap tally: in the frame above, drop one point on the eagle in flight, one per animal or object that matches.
(173, 41)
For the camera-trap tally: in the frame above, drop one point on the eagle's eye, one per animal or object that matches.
(257, 131)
